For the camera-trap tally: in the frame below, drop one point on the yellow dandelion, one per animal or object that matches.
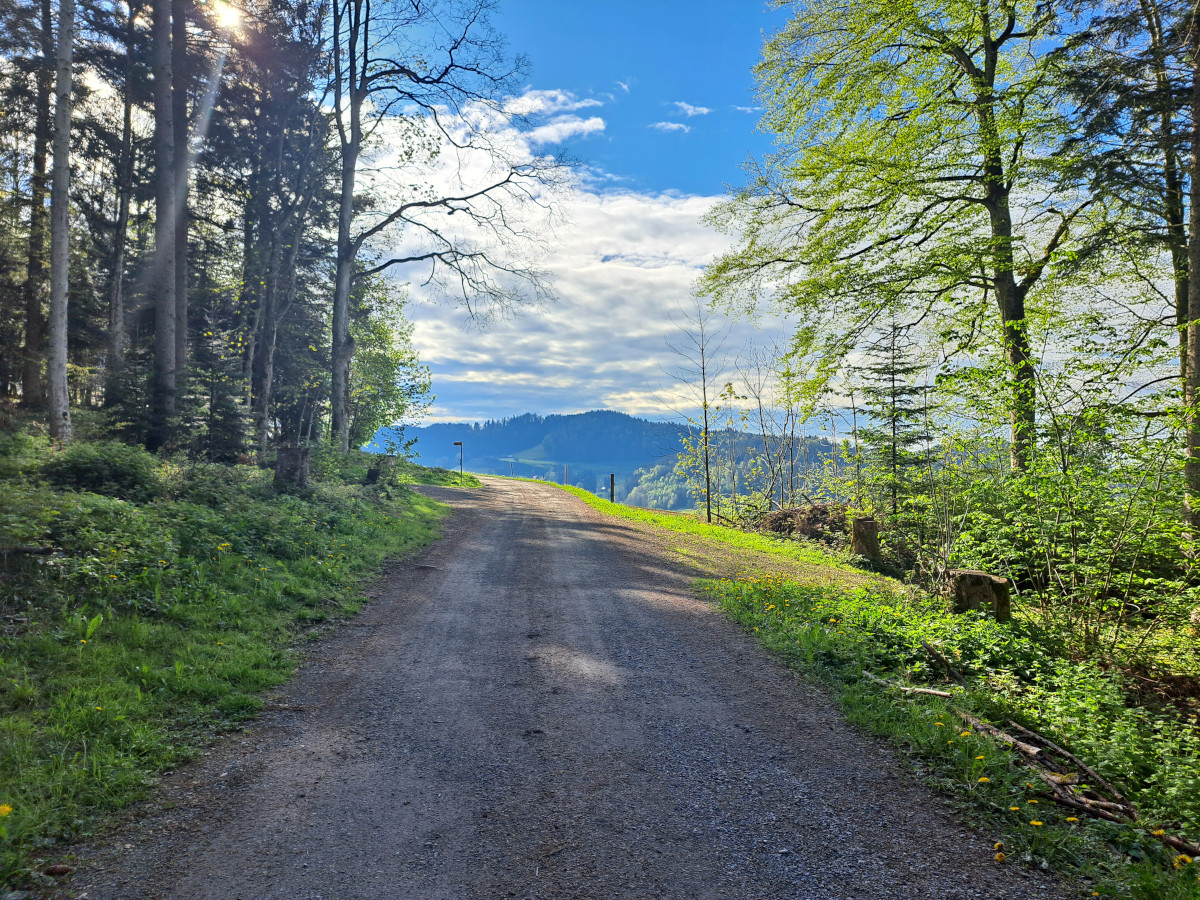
(965, 734)
(5, 810)
(938, 723)
(82, 641)
(98, 708)
(984, 780)
(1181, 860)
(980, 757)
(1159, 833)
(1031, 801)
(1000, 857)
(1034, 822)
(1072, 819)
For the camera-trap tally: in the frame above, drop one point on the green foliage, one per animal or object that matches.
(836, 635)
(154, 624)
(387, 381)
(110, 468)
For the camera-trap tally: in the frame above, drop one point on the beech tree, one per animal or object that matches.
(917, 153)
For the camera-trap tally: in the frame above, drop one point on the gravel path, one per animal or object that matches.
(537, 707)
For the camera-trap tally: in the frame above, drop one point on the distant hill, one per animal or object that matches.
(539, 446)
(588, 446)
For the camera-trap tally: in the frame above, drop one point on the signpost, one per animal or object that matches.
(458, 444)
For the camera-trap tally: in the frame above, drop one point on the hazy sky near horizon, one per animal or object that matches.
(655, 99)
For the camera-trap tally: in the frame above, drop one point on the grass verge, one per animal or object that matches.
(147, 614)
(800, 552)
(833, 637)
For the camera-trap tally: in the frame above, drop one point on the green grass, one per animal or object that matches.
(410, 473)
(834, 636)
(798, 551)
(159, 622)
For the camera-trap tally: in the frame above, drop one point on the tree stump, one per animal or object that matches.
(979, 590)
(291, 468)
(864, 537)
(380, 468)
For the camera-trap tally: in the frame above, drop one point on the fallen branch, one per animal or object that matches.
(1064, 784)
(906, 689)
(1026, 749)
(1095, 776)
(954, 673)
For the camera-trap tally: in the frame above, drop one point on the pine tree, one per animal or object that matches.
(894, 402)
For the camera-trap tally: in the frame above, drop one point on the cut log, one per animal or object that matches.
(864, 537)
(969, 590)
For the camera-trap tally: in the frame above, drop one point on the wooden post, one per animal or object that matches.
(864, 537)
(612, 488)
(564, 474)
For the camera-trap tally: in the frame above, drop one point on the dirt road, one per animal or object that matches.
(538, 708)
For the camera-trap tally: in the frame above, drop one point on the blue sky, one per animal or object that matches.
(655, 100)
(642, 58)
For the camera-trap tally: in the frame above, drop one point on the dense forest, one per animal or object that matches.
(202, 202)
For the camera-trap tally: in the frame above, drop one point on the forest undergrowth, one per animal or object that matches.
(146, 605)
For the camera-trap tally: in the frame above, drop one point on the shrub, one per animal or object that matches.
(109, 467)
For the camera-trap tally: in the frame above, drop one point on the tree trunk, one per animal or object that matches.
(1191, 466)
(343, 344)
(33, 387)
(117, 337)
(349, 95)
(182, 166)
(56, 369)
(163, 401)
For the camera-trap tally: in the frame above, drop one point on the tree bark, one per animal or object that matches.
(348, 99)
(1191, 466)
(117, 336)
(1010, 296)
(163, 400)
(56, 369)
(343, 344)
(33, 387)
(182, 166)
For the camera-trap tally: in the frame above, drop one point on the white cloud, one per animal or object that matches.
(621, 263)
(547, 103)
(670, 126)
(688, 110)
(622, 267)
(564, 127)
(624, 85)
(749, 109)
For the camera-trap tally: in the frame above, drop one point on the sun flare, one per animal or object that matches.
(228, 17)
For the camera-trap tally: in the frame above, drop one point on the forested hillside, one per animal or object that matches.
(648, 458)
(194, 228)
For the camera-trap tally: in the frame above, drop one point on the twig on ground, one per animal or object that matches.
(954, 673)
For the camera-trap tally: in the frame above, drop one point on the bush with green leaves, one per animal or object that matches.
(109, 467)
